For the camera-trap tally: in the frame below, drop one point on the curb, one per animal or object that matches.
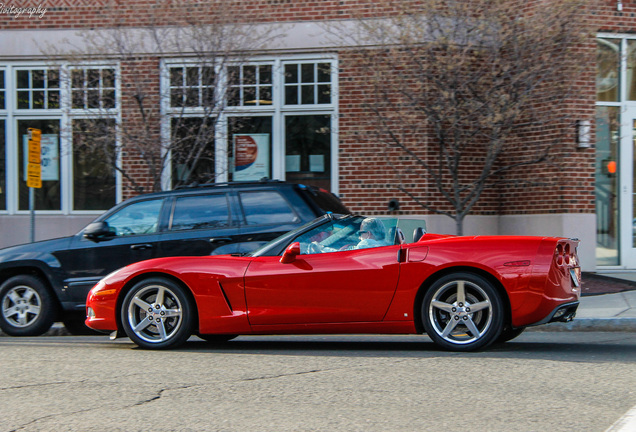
(591, 325)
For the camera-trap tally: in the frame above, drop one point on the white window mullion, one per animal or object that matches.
(278, 132)
(11, 168)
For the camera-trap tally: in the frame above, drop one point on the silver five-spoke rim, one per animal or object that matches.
(155, 314)
(21, 306)
(460, 312)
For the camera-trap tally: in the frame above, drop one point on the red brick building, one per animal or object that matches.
(299, 96)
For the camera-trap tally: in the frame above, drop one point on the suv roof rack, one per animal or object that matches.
(233, 183)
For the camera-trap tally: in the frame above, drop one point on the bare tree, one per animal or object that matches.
(455, 85)
(206, 37)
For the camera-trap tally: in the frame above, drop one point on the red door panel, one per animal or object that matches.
(349, 286)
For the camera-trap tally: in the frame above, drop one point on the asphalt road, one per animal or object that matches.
(542, 381)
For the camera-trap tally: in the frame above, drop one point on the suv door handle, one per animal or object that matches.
(220, 240)
(142, 246)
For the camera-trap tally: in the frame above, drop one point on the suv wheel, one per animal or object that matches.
(26, 306)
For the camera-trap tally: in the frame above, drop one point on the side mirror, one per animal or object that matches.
(98, 231)
(290, 254)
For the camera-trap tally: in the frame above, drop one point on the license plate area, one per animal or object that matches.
(575, 275)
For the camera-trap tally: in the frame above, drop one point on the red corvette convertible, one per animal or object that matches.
(347, 274)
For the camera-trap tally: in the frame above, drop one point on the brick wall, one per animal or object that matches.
(367, 180)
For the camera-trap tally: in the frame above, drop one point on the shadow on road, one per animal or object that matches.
(583, 346)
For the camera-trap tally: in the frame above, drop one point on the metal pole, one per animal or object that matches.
(32, 209)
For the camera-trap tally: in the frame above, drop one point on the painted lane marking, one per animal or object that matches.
(627, 423)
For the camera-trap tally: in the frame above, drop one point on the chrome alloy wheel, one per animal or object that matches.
(460, 312)
(21, 306)
(155, 314)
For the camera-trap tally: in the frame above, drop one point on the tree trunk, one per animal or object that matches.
(459, 224)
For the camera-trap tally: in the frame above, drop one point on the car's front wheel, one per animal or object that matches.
(462, 312)
(157, 313)
(27, 306)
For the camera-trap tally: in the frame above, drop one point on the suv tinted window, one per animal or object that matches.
(137, 218)
(266, 207)
(200, 211)
(326, 201)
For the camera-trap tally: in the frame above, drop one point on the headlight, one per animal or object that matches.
(101, 289)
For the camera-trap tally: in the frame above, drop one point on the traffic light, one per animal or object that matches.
(609, 167)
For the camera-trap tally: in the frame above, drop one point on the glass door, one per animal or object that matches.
(627, 184)
(616, 187)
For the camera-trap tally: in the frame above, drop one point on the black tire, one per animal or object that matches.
(27, 307)
(509, 333)
(462, 312)
(216, 338)
(157, 313)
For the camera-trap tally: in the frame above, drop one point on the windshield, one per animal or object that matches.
(334, 233)
(263, 250)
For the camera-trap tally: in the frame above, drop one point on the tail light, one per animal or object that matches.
(564, 255)
(566, 258)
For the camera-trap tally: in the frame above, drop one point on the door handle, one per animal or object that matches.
(220, 240)
(142, 246)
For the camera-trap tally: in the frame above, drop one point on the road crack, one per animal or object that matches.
(271, 377)
(160, 393)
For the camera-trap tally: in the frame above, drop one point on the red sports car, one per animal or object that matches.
(347, 274)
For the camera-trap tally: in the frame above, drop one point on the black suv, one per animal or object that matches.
(48, 281)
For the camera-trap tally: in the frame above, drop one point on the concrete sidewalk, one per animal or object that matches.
(605, 312)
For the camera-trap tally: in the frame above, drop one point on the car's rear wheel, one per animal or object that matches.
(462, 312)
(157, 313)
(27, 307)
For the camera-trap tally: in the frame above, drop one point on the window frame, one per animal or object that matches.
(257, 85)
(315, 83)
(277, 110)
(65, 115)
(3, 90)
(68, 79)
(15, 89)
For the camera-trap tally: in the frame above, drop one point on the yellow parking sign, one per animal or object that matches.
(34, 168)
(34, 175)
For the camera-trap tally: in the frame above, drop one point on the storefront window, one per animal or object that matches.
(251, 148)
(94, 159)
(607, 168)
(607, 69)
(93, 88)
(192, 148)
(48, 196)
(308, 149)
(250, 85)
(307, 83)
(38, 89)
(192, 86)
